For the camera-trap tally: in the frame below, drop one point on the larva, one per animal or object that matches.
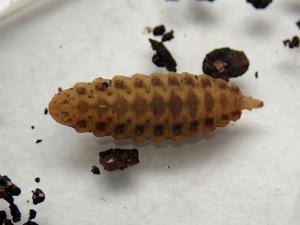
(159, 106)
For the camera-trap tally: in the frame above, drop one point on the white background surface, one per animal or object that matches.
(245, 174)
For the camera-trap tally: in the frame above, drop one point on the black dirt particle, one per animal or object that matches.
(256, 74)
(159, 30)
(294, 43)
(32, 127)
(45, 111)
(30, 223)
(15, 212)
(168, 36)
(260, 4)
(32, 214)
(95, 170)
(225, 63)
(38, 141)
(38, 196)
(59, 89)
(298, 23)
(37, 179)
(2, 216)
(118, 159)
(163, 57)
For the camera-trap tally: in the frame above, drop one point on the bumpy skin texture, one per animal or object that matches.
(159, 106)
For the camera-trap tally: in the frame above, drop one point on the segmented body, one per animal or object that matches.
(157, 107)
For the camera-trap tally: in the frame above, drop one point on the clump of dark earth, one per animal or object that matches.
(38, 141)
(225, 63)
(298, 23)
(32, 214)
(118, 159)
(168, 36)
(260, 4)
(159, 30)
(293, 43)
(95, 170)
(162, 57)
(38, 196)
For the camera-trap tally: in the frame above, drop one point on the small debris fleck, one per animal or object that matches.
(298, 23)
(45, 111)
(29, 222)
(32, 127)
(256, 74)
(95, 170)
(38, 196)
(260, 4)
(168, 36)
(147, 30)
(163, 57)
(15, 212)
(2, 216)
(225, 63)
(294, 43)
(38, 141)
(159, 30)
(59, 89)
(37, 179)
(118, 159)
(32, 214)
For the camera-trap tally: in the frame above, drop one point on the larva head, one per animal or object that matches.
(62, 107)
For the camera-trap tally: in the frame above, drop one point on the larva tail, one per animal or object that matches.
(250, 103)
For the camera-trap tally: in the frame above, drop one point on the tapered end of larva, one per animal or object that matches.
(250, 103)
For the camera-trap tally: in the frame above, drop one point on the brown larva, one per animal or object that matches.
(171, 106)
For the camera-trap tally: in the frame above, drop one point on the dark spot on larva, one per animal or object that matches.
(109, 119)
(175, 104)
(188, 80)
(81, 123)
(81, 90)
(209, 122)
(120, 106)
(158, 130)
(236, 115)
(129, 121)
(192, 103)
(223, 101)
(208, 102)
(177, 128)
(65, 101)
(109, 93)
(156, 81)
(120, 84)
(235, 89)
(83, 106)
(148, 120)
(100, 126)
(101, 106)
(222, 86)
(140, 105)
(205, 83)
(225, 117)
(120, 128)
(70, 120)
(172, 80)
(194, 125)
(139, 130)
(158, 105)
(138, 83)
(102, 86)
(65, 114)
